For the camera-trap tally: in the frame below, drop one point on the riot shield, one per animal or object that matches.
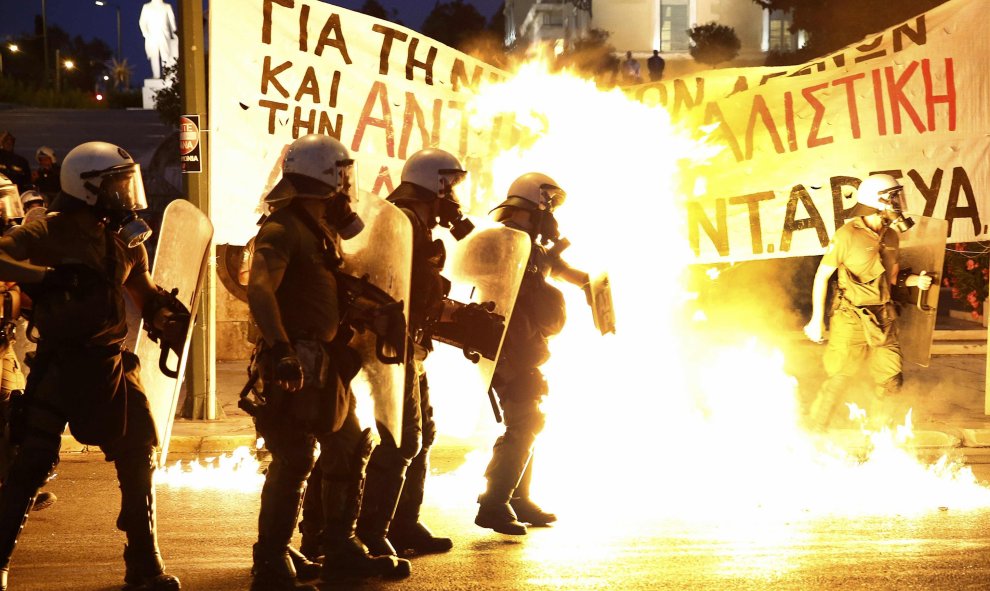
(922, 249)
(601, 304)
(486, 270)
(382, 255)
(180, 263)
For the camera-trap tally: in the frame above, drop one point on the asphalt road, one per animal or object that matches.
(206, 538)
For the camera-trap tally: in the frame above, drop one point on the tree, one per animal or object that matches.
(713, 44)
(375, 9)
(454, 23)
(168, 101)
(835, 24)
(120, 74)
(592, 56)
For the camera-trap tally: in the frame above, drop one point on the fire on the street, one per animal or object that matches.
(670, 417)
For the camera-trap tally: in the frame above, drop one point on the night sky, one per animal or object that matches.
(84, 18)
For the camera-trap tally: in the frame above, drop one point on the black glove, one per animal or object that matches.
(175, 329)
(287, 365)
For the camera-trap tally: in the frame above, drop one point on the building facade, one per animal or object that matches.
(641, 26)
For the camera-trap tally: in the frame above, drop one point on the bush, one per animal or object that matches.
(967, 268)
(713, 44)
(18, 93)
(124, 99)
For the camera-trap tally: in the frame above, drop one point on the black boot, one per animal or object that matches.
(344, 554)
(144, 568)
(381, 494)
(526, 510)
(509, 460)
(306, 569)
(16, 500)
(407, 534)
(274, 569)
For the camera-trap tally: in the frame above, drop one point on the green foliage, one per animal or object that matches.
(168, 101)
(19, 93)
(835, 24)
(967, 268)
(713, 44)
(454, 23)
(592, 56)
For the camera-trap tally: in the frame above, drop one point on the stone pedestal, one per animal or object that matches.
(151, 86)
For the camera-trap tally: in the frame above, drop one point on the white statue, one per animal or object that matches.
(157, 24)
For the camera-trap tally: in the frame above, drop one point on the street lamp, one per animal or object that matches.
(117, 7)
(68, 64)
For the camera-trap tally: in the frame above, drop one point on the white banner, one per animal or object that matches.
(911, 101)
(280, 69)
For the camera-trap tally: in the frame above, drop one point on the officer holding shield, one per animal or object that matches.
(390, 521)
(76, 264)
(306, 368)
(863, 327)
(539, 313)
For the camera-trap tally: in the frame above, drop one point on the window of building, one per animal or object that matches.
(553, 19)
(673, 27)
(779, 31)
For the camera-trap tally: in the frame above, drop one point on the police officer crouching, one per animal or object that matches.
(306, 368)
(75, 264)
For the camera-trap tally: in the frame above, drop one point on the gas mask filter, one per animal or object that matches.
(342, 218)
(893, 215)
(119, 196)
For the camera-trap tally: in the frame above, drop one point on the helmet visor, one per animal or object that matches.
(120, 187)
(10, 202)
(553, 196)
(894, 199)
(347, 180)
(448, 180)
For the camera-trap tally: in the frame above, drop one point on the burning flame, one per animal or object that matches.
(238, 470)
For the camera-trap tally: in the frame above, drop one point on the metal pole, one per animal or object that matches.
(201, 380)
(58, 72)
(119, 54)
(44, 36)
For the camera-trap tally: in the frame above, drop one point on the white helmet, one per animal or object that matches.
(534, 190)
(104, 176)
(435, 170)
(32, 197)
(881, 192)
(315, 166)
(10, 200)
(45, 151)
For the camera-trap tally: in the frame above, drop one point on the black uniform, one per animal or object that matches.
(323, 410)
(538, 314)
(81, 375)
(16, 168)
(394, 470)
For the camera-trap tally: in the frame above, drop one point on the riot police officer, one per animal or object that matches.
(390, 522)
(539, 313)
(306, 367)
(75, 264)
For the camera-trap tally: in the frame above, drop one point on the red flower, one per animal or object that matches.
(955, 293)
(976, 315)
(970, 265)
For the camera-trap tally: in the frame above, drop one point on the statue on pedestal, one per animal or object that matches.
(161, 39)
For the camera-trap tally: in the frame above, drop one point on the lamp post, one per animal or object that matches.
(117, 7)
(59, 64)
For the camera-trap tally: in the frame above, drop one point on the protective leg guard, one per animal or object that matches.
(526, 510)
(144, 568)
(311, 525)
(381, 495)
(407, 534)
(345, 556)
(274, 567)
(28, 473)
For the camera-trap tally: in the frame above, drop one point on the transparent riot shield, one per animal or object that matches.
(180, 263)
(601, 304)
(486, 269)
(381, 255)
(922, 250)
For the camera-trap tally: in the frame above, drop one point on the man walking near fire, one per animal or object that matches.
(863, 325)
(538, 314)
(306, 368)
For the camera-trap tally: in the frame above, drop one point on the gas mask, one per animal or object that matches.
(118, 198)
(449, 207)
(893, 216)
(341, 217)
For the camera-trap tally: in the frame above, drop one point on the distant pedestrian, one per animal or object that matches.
(12, 165)
(46, 176)
(655, 65)
(631, 73)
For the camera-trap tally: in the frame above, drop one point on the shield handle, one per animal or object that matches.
(923, 293)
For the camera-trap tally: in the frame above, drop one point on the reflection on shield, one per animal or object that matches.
(382, 253)
(180, 263)
(601, 304)
(922, 249)
(487, 268)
